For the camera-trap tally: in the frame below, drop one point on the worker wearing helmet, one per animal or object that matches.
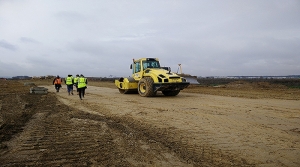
(82, 82)
(69, 82)
(57, 83)
(76, 82)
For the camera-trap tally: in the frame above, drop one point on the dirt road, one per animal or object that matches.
(108, 128)
(214, 128)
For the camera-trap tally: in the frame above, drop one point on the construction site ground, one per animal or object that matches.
(237, 124)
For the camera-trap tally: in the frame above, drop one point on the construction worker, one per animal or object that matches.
(82, 82)
(69, 82)
(76, 82)
(57, 83)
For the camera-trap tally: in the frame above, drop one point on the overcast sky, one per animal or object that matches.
(101, 37)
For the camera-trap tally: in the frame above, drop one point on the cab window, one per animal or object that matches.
(137, 67)
(150, 64)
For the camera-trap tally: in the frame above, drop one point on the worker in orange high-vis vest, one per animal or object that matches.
(57, 83)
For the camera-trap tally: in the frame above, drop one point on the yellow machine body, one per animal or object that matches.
(148, 77)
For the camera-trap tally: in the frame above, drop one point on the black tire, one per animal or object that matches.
(171, 93)
(145, 87)
(122, 91)
(126, 91)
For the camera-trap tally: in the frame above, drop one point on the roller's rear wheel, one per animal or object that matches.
(145, 87)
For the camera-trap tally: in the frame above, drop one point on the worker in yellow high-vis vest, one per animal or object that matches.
(82, 83)
(76, 82)
(69, 82)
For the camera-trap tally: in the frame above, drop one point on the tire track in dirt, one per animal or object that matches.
(215, 129)
(110, 129)
(75, 137)
(174, 139)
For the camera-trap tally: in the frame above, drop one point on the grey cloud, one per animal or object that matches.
(70, 16)
(28, 40)
(89, 48)
(41, 60)
(7, 45)
(216, 37)
(12, 69)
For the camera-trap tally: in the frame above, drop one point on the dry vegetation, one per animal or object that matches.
(248, 90)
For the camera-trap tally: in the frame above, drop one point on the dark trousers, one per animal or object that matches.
(76, 86)
(81, 92)
(70, 88)
(57, 87)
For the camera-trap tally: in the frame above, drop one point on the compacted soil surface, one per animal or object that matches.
(238, 124)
